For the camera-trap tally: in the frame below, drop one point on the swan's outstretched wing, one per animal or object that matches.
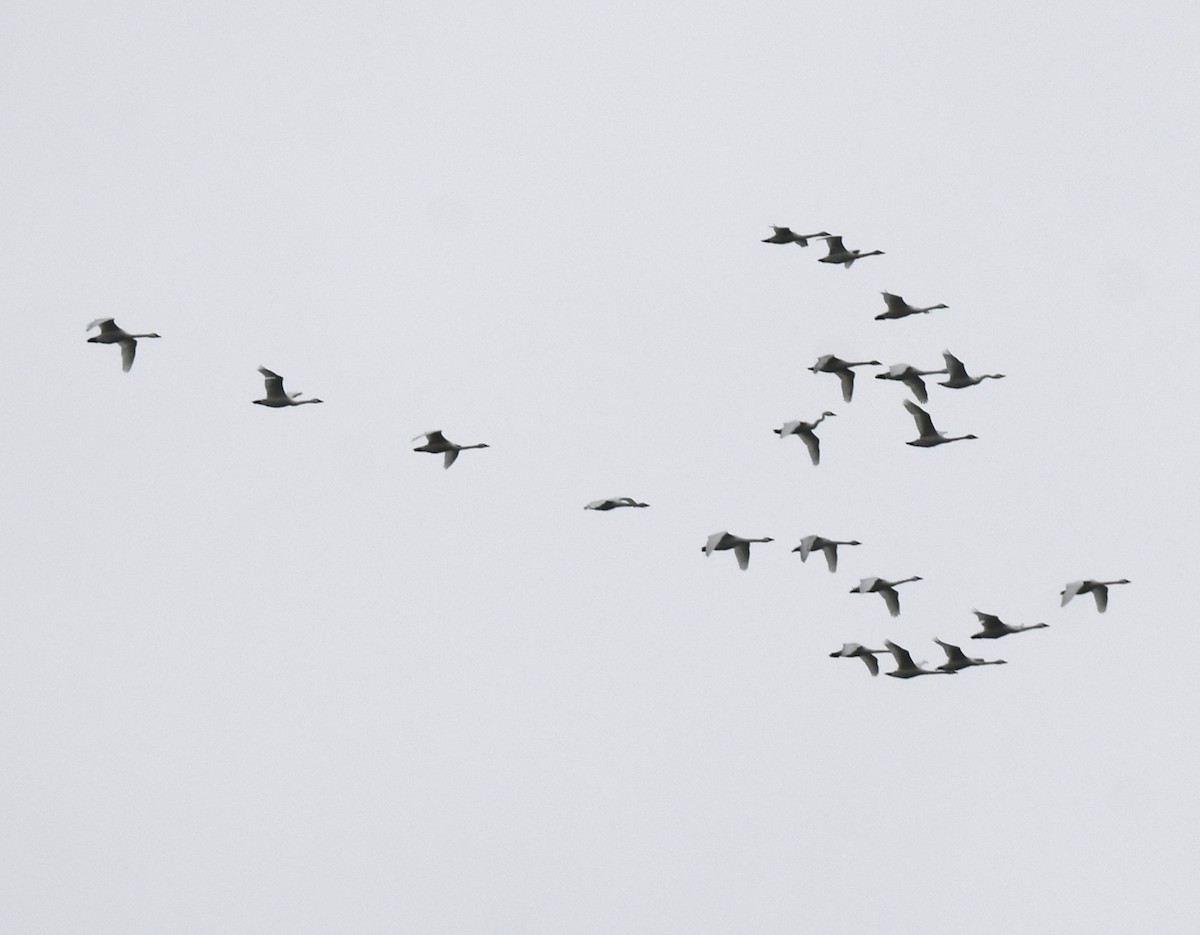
(715, 541)
(449, 457)
(806, 546)
(895, 304)
(1100, 593)
(953, 653)
(892, 599)
(846, 378)
(274, 384)
(955, 367)
(904, 659)
(924, 423)
(830, 550)
(1070, 591)
(870, 660)
(107, 325)
(432, 438)
(128, 350)
(742, 551)
(835, 245)
(813, 444)
(917, 385)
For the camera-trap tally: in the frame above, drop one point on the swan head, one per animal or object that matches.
(852, 542)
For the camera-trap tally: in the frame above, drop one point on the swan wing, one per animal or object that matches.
(846, 378)
(895, 303)
(892, 599)
(953, 653)
(106, 325)
(449, 457)
(954, 366)
(813, 444)
(274, 384)
(128, 350)
(830, 550)
(917, 385)
(742, 551)
(715, 541)
(835, 245)
(1100, 593)
(924, 423)
(871, 662)
(903, 657)
(806, 546)
(1070, 591)
(432, 438)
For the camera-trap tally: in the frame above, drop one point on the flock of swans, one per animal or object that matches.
(928, 436)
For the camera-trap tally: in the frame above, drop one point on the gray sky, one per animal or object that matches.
(268, 671)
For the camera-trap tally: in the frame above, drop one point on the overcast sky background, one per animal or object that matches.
(270, 671)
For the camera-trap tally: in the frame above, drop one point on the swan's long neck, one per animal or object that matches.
(143, 335)
(903, 580)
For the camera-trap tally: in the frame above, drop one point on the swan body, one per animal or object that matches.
(437, 443)
(858, 651)
(110, 333)
(956, 659)
(612, 503)
(786, 235)
(721, 541)
(905, 667)
(810, 544)
(1098, 590)
(898, 308)
(958, 378)
(994, 627)
(885, 589)
(831, 363)
(276, 397)
(911, 377)
(804, 431)
(929, 436)
(839, 254)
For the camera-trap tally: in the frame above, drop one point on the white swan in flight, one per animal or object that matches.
(828, 547)
(437, 443)
(839, 254)
(111, 334)
(905, 667)
(831, 363)
(804, 431)
(858, 651)
(276, 398)
(994, 627)
(956, 659)
(885, 589)
(898, 308)
(911, 377)
(721, 541)
(929, 436)
(1098, 590)
(959, 378)
(612, 503)
(786, 235)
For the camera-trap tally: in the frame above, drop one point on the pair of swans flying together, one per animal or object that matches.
(837, 250)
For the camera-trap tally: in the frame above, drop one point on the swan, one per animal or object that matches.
(898, 308)
(956, 659)
(905, 667)
(858, 651)
(1098, 590)
(994, 627)
(611, 503)
(110, 333)
(276, 398)
(804, 431)
(829, 546)
(911, 377)
(437, 443)
(929, 436)
(885, 589)
(958, 377)
(720, 541)
(786, 235)
(839, 254)
(831, 363)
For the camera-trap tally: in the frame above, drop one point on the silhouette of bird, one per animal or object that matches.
(885, 589)
(804, 431)
(911, 377)
(786, 235)
(956, 659)
(1098, 590)
(959, 378)
(828, 546)
(994, 627)
(612, 503)
(437, 443)
(831, 363)
(858, 651)
(721, 541)
(898, 308)
(929, 436)
(276, 398)
(111, 334)
(839, 254)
